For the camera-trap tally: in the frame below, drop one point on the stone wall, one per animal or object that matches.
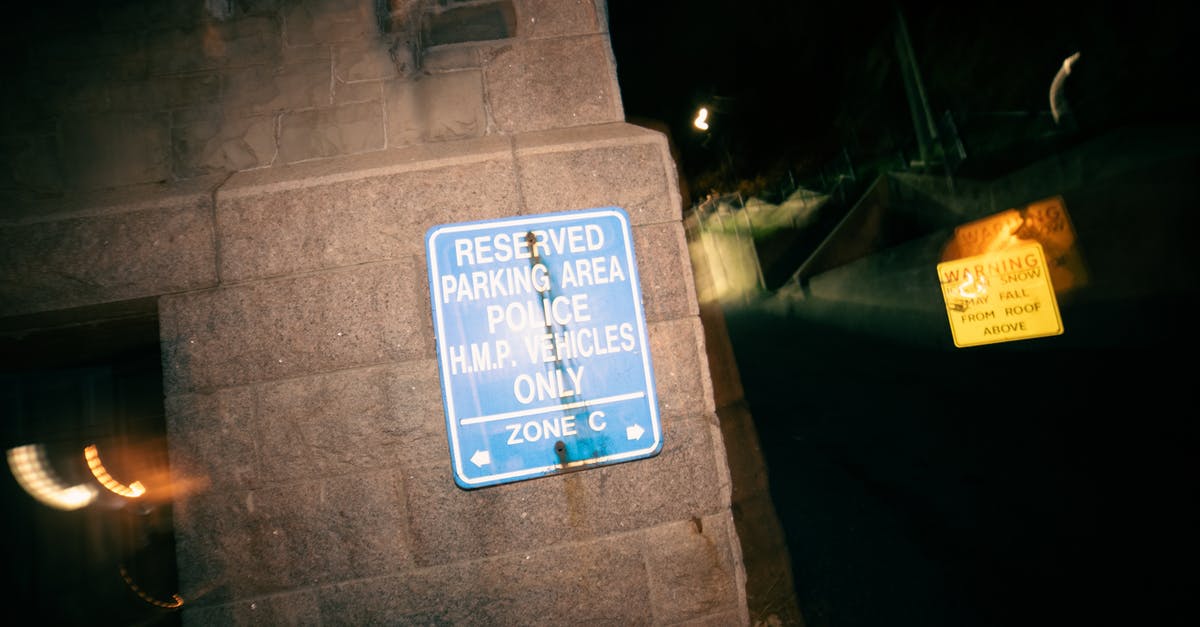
(131, 92)
(265, 171)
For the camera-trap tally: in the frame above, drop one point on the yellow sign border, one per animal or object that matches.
(977, 289)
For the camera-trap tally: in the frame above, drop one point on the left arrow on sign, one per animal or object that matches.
(481, 458)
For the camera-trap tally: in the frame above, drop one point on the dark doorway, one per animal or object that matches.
(86, 541)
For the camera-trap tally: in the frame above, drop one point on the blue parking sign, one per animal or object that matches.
(541, 344)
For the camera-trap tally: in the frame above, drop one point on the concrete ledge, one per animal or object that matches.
(145, 242)
(368, 165)
(591, 136)
(380, 215)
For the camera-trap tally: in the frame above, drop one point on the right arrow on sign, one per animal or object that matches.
(481, 458)
(634, 432)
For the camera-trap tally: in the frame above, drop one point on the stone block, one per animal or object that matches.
(322, 21)
(116, 150)
(33, 114)
(104, 56)
(665, 271)
(213, 441)
(122, 17)
(234, 43)
(747, 467)
(555, 18)
(680, 374)
(248, 41)
(236, 545)
(593, 583)
(220, 142)
(270, 330)
(265, 89)
(363, 61)
(305, 54)
(439, 107)
(331, 131)
(361, 91)
(74, 91)
(553, 83)
(687, 479)
(324, 425)
(165, 92)
(296, 609)
(351, 421)
(606, 167)
(381, 213)
(30, 166)
(450, 524)
(693, 572)
(139, 244)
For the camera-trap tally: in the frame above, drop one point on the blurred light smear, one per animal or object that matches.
(176, 600)
(92, 455)
(33, 472)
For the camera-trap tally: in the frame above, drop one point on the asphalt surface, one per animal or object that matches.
(1041, 482)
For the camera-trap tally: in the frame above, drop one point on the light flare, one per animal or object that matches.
(133, 490)
(701, 121)
(175, 602)
(32, 470)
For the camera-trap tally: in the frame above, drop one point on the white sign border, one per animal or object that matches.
(443, 356)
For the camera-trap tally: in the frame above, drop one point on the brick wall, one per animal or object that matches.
(266, 172)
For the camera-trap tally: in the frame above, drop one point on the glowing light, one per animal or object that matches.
(176, 600)
(92, 456)
(701, 119)
(1056, 86)
(33, 472)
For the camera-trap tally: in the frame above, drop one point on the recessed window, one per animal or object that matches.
(482, 21)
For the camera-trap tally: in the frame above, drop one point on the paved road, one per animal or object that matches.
(1043, 482)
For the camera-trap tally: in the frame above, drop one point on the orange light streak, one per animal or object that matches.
(176, 600)
(92, 456)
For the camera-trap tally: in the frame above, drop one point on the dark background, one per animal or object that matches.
(791, 84)
(1040, 482)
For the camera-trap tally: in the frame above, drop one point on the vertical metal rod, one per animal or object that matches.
(918, 104)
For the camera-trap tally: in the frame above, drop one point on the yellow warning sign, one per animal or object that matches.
(1045, 221)
(1000, 296)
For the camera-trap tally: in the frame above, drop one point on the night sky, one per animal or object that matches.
(792, 84)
